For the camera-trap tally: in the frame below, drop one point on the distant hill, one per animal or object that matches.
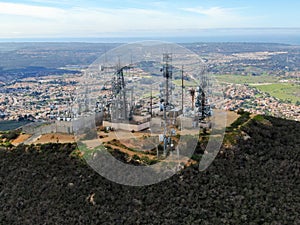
(32, 71)
(18, 57)
(254, 181)
(15, 56)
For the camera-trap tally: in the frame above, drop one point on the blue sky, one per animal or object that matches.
(106, 18)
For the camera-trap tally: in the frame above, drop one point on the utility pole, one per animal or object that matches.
(192, 92)
(182, 92)
(151, 101)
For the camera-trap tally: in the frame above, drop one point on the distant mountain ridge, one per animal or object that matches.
(32, 71)
(56, 55)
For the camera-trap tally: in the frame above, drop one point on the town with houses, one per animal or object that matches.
(254, 101)
(51, 98)
(239, 69)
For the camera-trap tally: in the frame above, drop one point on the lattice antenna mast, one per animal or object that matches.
(166, 93)
(202, 103)
(119, 94)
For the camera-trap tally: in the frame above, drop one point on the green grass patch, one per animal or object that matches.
(262, 119)
(283, 91)
(185, 83)
(88, 152)
(244, 117)
(148, 95)
(259, 118)
(246, 79)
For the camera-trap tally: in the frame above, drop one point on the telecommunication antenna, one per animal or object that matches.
(202, 101)
(116, 102)
(166, 93)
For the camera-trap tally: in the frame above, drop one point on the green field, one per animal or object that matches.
(246, 79)
(185, 83)
(282, 91)
(265, 83)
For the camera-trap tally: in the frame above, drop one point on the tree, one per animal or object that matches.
(8, 145)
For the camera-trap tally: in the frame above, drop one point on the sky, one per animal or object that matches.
(130, 18)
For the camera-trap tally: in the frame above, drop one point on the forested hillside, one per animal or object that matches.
(254, 181)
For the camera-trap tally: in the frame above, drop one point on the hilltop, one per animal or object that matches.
(253, 180)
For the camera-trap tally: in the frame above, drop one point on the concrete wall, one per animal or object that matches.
(184, 122)
(78, 126)
(126, 126)
(141, 119)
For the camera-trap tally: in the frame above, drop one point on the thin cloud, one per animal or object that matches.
(212, 11)
(31, 20)
(54, 2)
(43, 12)
(26, 20)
